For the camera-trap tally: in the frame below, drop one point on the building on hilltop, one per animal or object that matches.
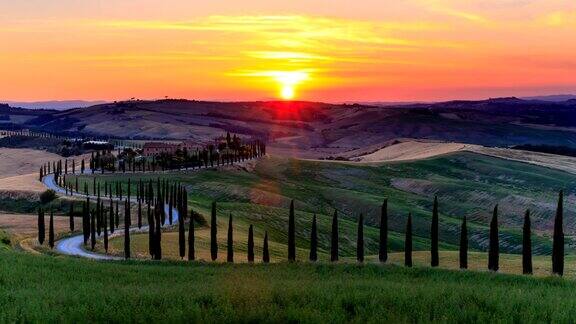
(157, 148)
(189, 145)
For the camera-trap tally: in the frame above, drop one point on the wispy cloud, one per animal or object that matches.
(560, 18)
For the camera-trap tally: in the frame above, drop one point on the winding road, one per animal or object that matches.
(74, 245)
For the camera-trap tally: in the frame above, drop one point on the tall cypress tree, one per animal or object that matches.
(408, 242)
(106, 233)
(558, 238)
(191, 250)
(41, 226)
(464, 245)
(494, 245)
(97, 219)
(86, 221)
(213, 233)
(127, 231)
(117, 215)
(51, 230)
(151, 232)
(139, 213)
(383, 248)
(111, 216)
(170, 206)
(314, 241)
(360, 239)
(334, 242)
(230, 245)
(181, 237)
(434, 235)
(265, 252)
(92, 230)
(291, 234)
(158, 233)
(526, 245)
(251, 244)
(71, 214)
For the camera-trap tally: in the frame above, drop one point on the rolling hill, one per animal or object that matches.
(310, 129)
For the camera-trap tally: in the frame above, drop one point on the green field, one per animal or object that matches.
(50, 289)
(466, 184)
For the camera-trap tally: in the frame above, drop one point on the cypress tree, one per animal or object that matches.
(191, 251)
(139, 213)
(314, 241)
(558, 238)
(161, 209)
(526, 245)
(360, 239)
(434, 235)
(181, 238)
(291, 234)
(230, 256)
(383, 248)
(117, 215)
(464, 245)
(41, 226)
(71, 215)
(127, 231)
(98, 213)
(158, 234)
(250, 244)
(93, 230)
(111, 217)
(51, 230)
(334, 243)
(494, 246)
(170, 206)
(213, 233)
(408, 242)
(265, 253)
(86, 220)
(106, 233)
(151, 227)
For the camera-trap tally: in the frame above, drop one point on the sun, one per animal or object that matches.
(287, 92)
(288, 80)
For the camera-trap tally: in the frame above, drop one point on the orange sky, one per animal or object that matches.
(330, 50)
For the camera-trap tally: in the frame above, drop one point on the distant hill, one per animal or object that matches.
(58, 105)
(554, 98)
(315, 129)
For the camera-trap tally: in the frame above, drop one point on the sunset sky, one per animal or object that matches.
(331, 50)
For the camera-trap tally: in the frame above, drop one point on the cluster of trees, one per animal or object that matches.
(209, 156)
(226, 153)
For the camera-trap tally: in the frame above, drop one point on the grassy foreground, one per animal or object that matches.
(43, 288)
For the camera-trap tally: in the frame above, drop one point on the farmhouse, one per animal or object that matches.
(157, 148)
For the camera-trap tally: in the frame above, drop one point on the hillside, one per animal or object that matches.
(466, 184)
(309, 129)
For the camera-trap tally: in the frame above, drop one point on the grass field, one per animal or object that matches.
(466, 184)
(50, 289)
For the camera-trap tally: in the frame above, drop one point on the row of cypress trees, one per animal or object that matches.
(105, 160)
(493, 247)
(175, 197)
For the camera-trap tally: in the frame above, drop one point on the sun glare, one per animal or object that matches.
(287, 92)
(288, 80)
